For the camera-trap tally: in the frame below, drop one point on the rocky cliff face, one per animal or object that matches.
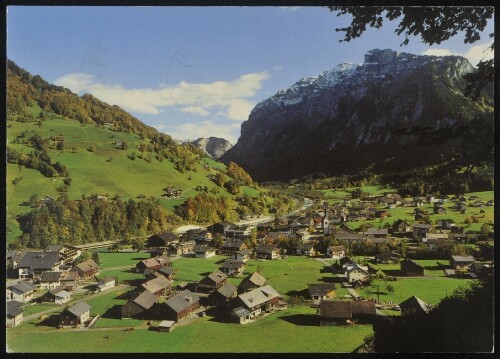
(396, 109)
(215, 147)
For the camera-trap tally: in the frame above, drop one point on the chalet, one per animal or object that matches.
(346, 262)
(20, 292)
(50, 280)
(67, 254)
(339, 312)
(439, 210)
(86, 269)
(411, 268)
(357, 273)
(199, 235)
(336, 252)
(181, 305)
(105, 284)
(401, 226)
(162, 240)
(267, 252)
(232, 245)
(13, 258)
(56, 295)
(461, 263)
(414, 306)
(141, 303)
(212, 282)
(203, 251)
(181, 248)
(242, 256)
(306, 249)
(232, 268)
(218, 228)
(387, 258)
(167, 272)
(239, 315)
(252, 281)
(75, 316)
(224, 294)
(14, 313)
(420, 230)
(378, 233)
(258, 300)
(70, 280)
(150, 265)
(157, 286)
(321, 291)
(445, 223)
(240, 232)
(32, 264)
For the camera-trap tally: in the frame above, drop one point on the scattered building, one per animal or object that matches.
(212, 282)
(411, 268)
(14, 313)
(259, 300)
(106, 283)
(252, 281)
(141, 303)
(336, 252)
(181, 305)
(267, 252)
(20, 292)
(86, 269)
(461, 263)
(203, 251)
(32, 264)
(321, 291)
(339, 312)
(414, 305)
(75, 316)
(232, 268)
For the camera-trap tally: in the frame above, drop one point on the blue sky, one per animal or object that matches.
(194, 71)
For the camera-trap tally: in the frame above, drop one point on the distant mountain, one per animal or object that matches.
(215, 147)
(394, 111)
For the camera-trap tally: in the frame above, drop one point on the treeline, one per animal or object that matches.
(205, 208)
(462, 322)
(38, 159)
(92, 220)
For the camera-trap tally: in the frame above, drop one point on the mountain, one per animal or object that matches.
(394, 111)
(215, 147)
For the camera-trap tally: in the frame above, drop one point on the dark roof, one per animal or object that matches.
(266, 248)
(421, 225)
(232, 264)
(145, 300)
(255, 278)
(55, 290)
(240, 312)
(14, 308)
(71, 275)
(217, 276)
(320, 289)
(233, 243)
(345, 309)
(54, 247)
(227, 290)
(50, 276)
(166, 236)
(466, 259)
(182, 301)
(414, 304)
(157, 284)
(201, 248)
(22, 287)
(337, 248)
(78, 308)
(39, 260)
(166, 270)
(407, 260)
(87, 265)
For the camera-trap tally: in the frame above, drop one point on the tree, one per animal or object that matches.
(92, 148)
(34, 199)
(390, 288)
(96, 258)
(433, 24)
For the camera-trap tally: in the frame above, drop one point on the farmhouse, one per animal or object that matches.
(75, 316)
(138, 305)
(70, 280)
(240, 232)
(414, 305)
(157, 286)
(267, 252)
(232, 268)
(411, 268)
(86, 269)
(321, 291)
(13, 258)
(239, 315)
(14, 313)
(181, 248)
(401, 226)
(56, 295)
(199, 235)
(306, 249)
(32, 264)
(224, 294)
(378, 233)
(232, 245)
(218, 228)
(105, 284)
(356, 273)
(167, 272)
(242, 256)
(203, 251)
(461, 263)
(446, 223)
(149, 265)
(162, 239)
(50, 280)
(420, 230)
(336, 252)
(339, 312)
(252, 281)
(258, 300)
(20, 292)
(181, 305)
(212, 282)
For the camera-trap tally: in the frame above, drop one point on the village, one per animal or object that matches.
(235, 289)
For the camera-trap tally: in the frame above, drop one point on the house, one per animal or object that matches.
(70, 280)
(239, 315)
(167, 272)
(50, 280)
(13, 258)
(105, 284)
(384, 213)
(258, 300)
(306, 249)
(199, 235)
(357, 273)
(181, 305)
(232, 245)
(339, 312)
(86, 269)
(218, 228)
(212, 282)
(157, 286)
(20, 292)
(141, 303)
(232, 268)
(56, 295)
(67, 254)
(414, 306)
(321, 291)
(252, 281)
(14, 313)
(461, 263)
(387, 258)
(162, 240)
(240, 232)
(242, 256)
(378, 233)
(401, 226)
(420, 230)
(149, 265)
(480, 270)
(434, 243)
(411, 268)
(224, 294)
(446, 223)
(267, 252)
(32, 264)
(336, 252)
(75, 316)
(439, 210)
(203, 251)
(181, 248)
(490, 203)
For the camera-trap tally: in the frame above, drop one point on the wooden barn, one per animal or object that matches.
(86, 269)
(411, 268)
(181, 305)
(252, 281)
(138, 305)
(212, 282)
(339, 312)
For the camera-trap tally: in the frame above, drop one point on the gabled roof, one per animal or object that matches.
(88, 265)
(421, 225)
(408, 260)
(337, 248)
(266, 248)
(54, 247)
(51, 276)
(255, 278)
(70, 275)
(107, 279)
(227, 290)
(467, 259)
(22, 287)
(150, 262)
(145, 300)
(415, 303)
(166, 236)
(240, 312)
(14, 308)
(39, 260)
(232, 264)
(258, 296)
(217, 276)
(156, 284)
(166, 270)
(63, 294)
(320, 289)
(201, 248)
(78, 308)
(182, 301)
(345, 309)
(375, 231)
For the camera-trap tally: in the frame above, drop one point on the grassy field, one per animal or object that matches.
(110, 259)
(293, 330)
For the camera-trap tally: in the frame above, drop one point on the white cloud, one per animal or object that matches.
(289, 8)
(475, 54)
(277, 68)
(195, 110)
(193, 131)
(232, 98)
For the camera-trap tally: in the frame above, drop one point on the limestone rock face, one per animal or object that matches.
(215, 147)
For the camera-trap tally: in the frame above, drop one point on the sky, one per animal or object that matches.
(195, 72)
